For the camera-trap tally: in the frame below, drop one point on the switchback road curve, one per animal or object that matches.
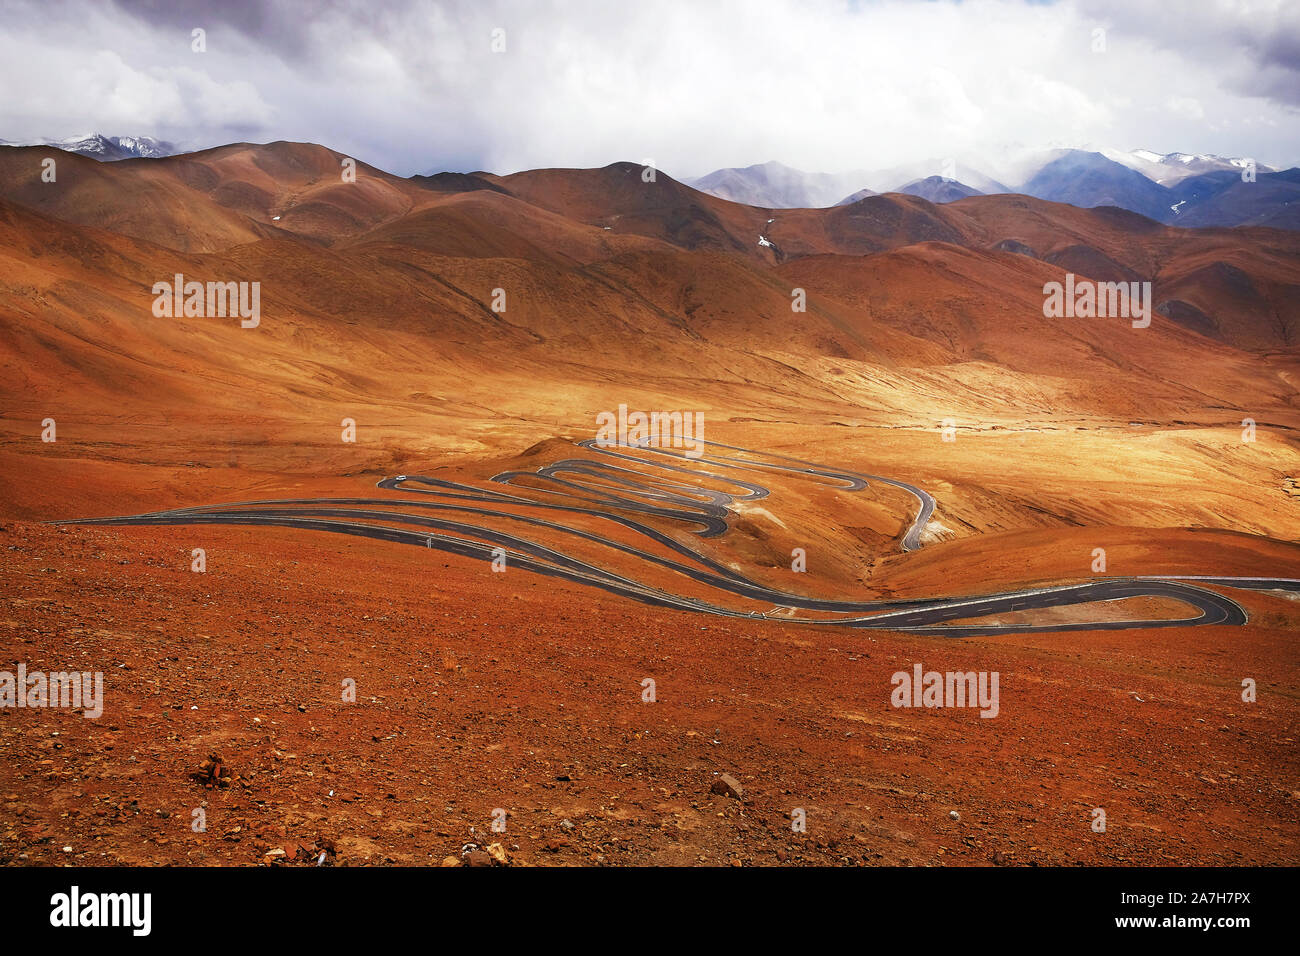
(625, 485)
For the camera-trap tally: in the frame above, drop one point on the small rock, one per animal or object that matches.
(213, 773)
(728, 786)
(954, 815)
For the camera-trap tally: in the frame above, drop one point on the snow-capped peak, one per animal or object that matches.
(1168, 169)
(107, 148)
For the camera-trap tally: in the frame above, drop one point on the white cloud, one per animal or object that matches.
(414, 85)
(62, 88)
(1186, 106)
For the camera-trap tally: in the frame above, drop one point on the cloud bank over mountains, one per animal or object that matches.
(417, 86)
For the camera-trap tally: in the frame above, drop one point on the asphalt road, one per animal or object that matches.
(623, 484)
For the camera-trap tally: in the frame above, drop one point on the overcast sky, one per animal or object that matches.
(692, 86)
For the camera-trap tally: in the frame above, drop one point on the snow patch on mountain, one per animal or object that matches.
(106, 148)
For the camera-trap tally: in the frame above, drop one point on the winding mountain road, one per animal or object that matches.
(641, 481)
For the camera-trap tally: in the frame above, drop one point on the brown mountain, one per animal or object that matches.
(378, 295)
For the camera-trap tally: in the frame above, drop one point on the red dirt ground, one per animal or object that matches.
(475, 694)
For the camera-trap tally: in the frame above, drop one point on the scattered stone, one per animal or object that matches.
(450, 861)
(213, 773)
(728, 786)
(954, 815)
(498, 854)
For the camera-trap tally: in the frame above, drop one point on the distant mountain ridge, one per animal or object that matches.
(773, 185)
(1219, 197)
(1181, 189)
(106, 148)
(938, 189)
(1172, 168)
(1090, 179)
(777, 186)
